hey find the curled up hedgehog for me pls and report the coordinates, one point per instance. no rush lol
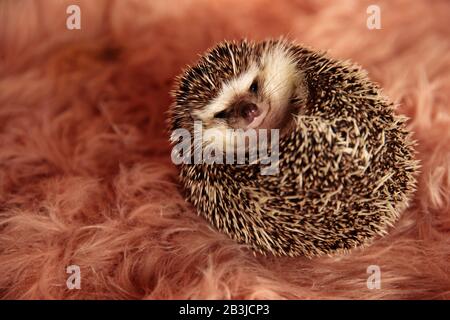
(336, 166)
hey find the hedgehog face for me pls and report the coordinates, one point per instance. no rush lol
(263, 95)
(243, 86)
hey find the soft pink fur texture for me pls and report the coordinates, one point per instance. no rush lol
(85, 170)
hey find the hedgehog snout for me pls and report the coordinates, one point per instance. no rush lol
(247, 110)
(248, 114)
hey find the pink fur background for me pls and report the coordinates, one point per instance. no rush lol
(85, 170)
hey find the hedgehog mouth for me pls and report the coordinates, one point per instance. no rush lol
(255, 116)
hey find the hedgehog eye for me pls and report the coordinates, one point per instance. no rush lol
(221, 115)
(254, 86)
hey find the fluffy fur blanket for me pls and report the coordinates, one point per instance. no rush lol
(85, 171)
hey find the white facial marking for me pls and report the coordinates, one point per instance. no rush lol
(281, 75)
(228, 93)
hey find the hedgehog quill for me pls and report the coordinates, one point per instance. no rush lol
(345, 160)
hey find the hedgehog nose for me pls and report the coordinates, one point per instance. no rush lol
(248, 110)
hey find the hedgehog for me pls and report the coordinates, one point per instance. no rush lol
(346, 165)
